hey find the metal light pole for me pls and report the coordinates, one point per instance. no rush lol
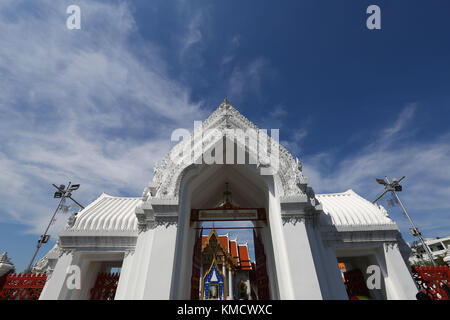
(63, 194)
(393, 187)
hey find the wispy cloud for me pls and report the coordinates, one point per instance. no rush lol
(231, 49)
(291, 139)
(80, 105)
(426, 166)
(403, 119)
(247, 79)
(278, 111)
(194, 33)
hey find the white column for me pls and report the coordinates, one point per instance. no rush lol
(224, 279)
(136, 283)
(160, 266)
(201, 282)
(125, 275)
(55, 287)
(230, 284)
(223, 270)
(152, 267)
(249, 294)
(335, 276)
(280, 280)
(303, 275)
(398, 280)
(329, 275)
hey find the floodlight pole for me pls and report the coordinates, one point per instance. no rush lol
(389, 186)
(65, 194)
(68, 195)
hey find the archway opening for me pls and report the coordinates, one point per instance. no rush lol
(238, 225)
(231, 245)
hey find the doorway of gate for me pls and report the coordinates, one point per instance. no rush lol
(229, 262)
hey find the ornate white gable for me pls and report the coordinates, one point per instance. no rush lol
(168, 174)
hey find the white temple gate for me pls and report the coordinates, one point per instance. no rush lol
(152, 237)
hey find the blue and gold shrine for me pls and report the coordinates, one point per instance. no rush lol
(214, 283)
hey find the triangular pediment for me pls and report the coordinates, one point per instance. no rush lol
(167, 175)
(226, 116)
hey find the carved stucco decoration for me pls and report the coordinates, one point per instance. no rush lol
(168, 174)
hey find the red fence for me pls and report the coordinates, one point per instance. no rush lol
(105, 286)
(23, 286)
(432, 281)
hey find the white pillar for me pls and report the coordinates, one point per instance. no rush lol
(329, 275)
(280, 280)
(335, 276)
(300, 263)
(399, 282)
(230, 284)
(55, 287)
(159, 270)
(135, 284)
(152, 267)
(125, 275)
(201, 282)
(249, 294)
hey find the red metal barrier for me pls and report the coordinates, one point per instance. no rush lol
(431, 280)
(105, 286)
(23, 286)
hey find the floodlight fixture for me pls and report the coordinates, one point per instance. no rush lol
(44, 238)
(394, 187)
(61, 194)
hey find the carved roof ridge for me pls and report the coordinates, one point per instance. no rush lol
(4, 258)
(167, 175)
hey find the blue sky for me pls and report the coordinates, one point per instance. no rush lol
(97, 106)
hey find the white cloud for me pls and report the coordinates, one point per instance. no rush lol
(247, 79)
(426, 166)
(230, 50)
(278, 111)
(80, 105)
(403, 119)
(293, 144)
(194, 34)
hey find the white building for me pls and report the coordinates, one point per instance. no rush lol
(301, 236)
(5, 264)
(438, 247)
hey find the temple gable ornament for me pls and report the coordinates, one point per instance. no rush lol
(168, 174)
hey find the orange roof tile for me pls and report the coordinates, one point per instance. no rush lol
(234, 251)
(244, 258)
(224, 241)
